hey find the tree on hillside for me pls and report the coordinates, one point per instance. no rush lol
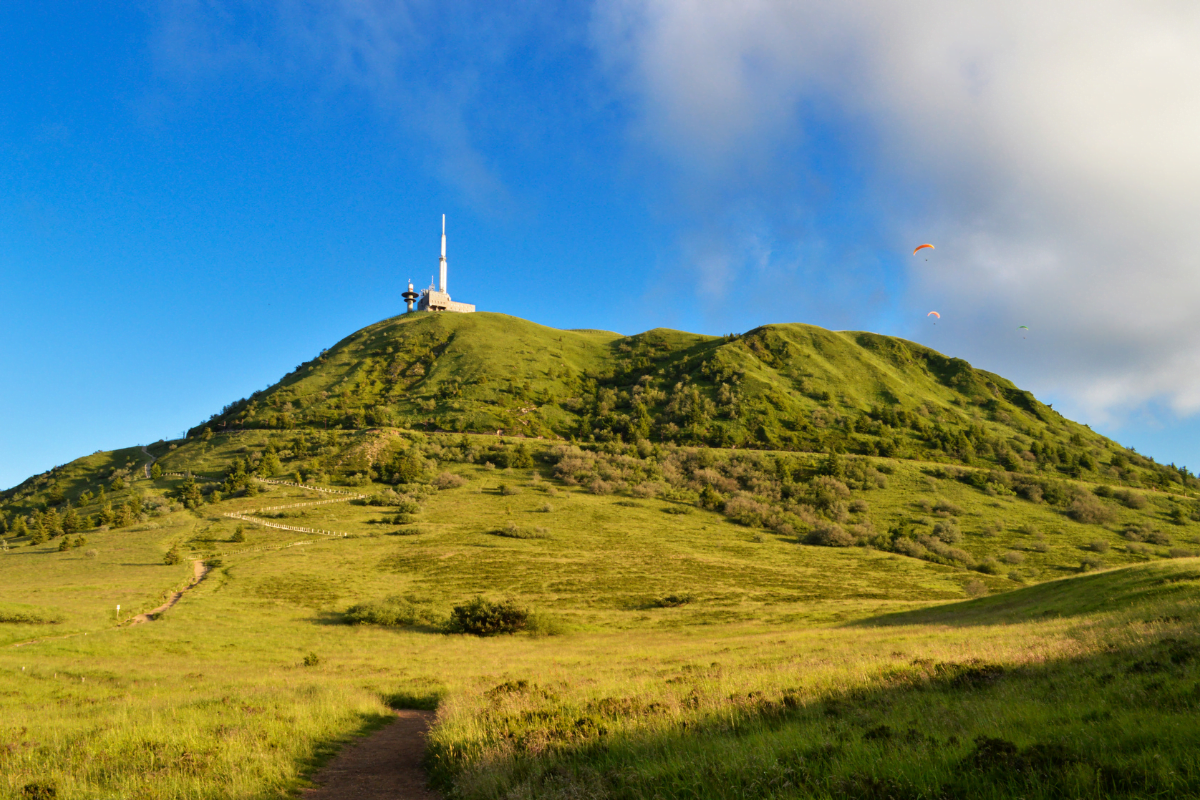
(70, 520)
(269, 465)
(405, 467)
(19, 527)
(156, 471)
(189, 493)
(107, 515)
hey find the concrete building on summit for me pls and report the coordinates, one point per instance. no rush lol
(436, 299)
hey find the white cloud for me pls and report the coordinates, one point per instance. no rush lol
(1048, 148)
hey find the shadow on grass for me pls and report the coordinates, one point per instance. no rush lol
(1112, 724)
(1139, 588)
(338, 618)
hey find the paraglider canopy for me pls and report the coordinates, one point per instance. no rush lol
(934, 314)
(922, 247)
(1023, 327)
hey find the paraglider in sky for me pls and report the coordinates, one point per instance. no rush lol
(933, 314)
(922, 247)
(1022, 328)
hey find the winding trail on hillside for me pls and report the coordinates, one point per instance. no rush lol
(383, 766)
(199, 571)
(149, 463)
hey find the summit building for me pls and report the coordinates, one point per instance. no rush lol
(436, 299)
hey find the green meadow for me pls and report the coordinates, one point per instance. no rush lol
(792, 563)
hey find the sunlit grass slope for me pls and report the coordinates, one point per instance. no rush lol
(673, 654)
(787, 563)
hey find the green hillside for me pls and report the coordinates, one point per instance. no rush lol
(778, 387)
(791, 563)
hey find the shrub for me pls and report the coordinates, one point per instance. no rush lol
(39, 790)
(829, 534)
(1130, 499)
(1040, 547)
(677, 510)
(508, 490)
(512, 531)
(546, 508)
(947, 531)
(672, 601)
(859, 506)
(827, 491)
(1013, 557)
(407, 505)
(28, 617)
(975, 588)
(745, 511)
(1088, 510)
(946, 508)
(91, 553)
(647, 489)
(990, 566)
(1181, 552)
(173, 556)
(448, 480)
(1090, 563)
(908, 547)
(599, 486)
(483, 617)
(393, 612)
(1137, 548)
(993, 528)
(1098, 546)
(239, 535)
(312, 660)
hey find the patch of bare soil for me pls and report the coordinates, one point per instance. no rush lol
(199, 570)
(383, 766)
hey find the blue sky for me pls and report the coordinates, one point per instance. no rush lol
(197, 196)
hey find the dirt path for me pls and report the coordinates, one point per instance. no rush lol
(384, 766)
(199, 570)
(149, 463)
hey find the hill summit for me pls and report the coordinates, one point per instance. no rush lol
(777, 387)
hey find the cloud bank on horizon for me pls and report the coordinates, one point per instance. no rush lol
(1048, 148)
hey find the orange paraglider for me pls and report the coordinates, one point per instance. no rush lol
(922, 247)
(934, 314)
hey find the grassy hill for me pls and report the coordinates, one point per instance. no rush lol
(778, 387)
(792, 563)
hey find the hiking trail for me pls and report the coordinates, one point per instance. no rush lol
(385, 765)
(199, 570)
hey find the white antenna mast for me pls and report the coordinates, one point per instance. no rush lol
(442, 262)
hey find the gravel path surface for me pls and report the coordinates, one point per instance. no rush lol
(384, 766)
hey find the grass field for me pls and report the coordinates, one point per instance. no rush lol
(787, 563)
(672, 655)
